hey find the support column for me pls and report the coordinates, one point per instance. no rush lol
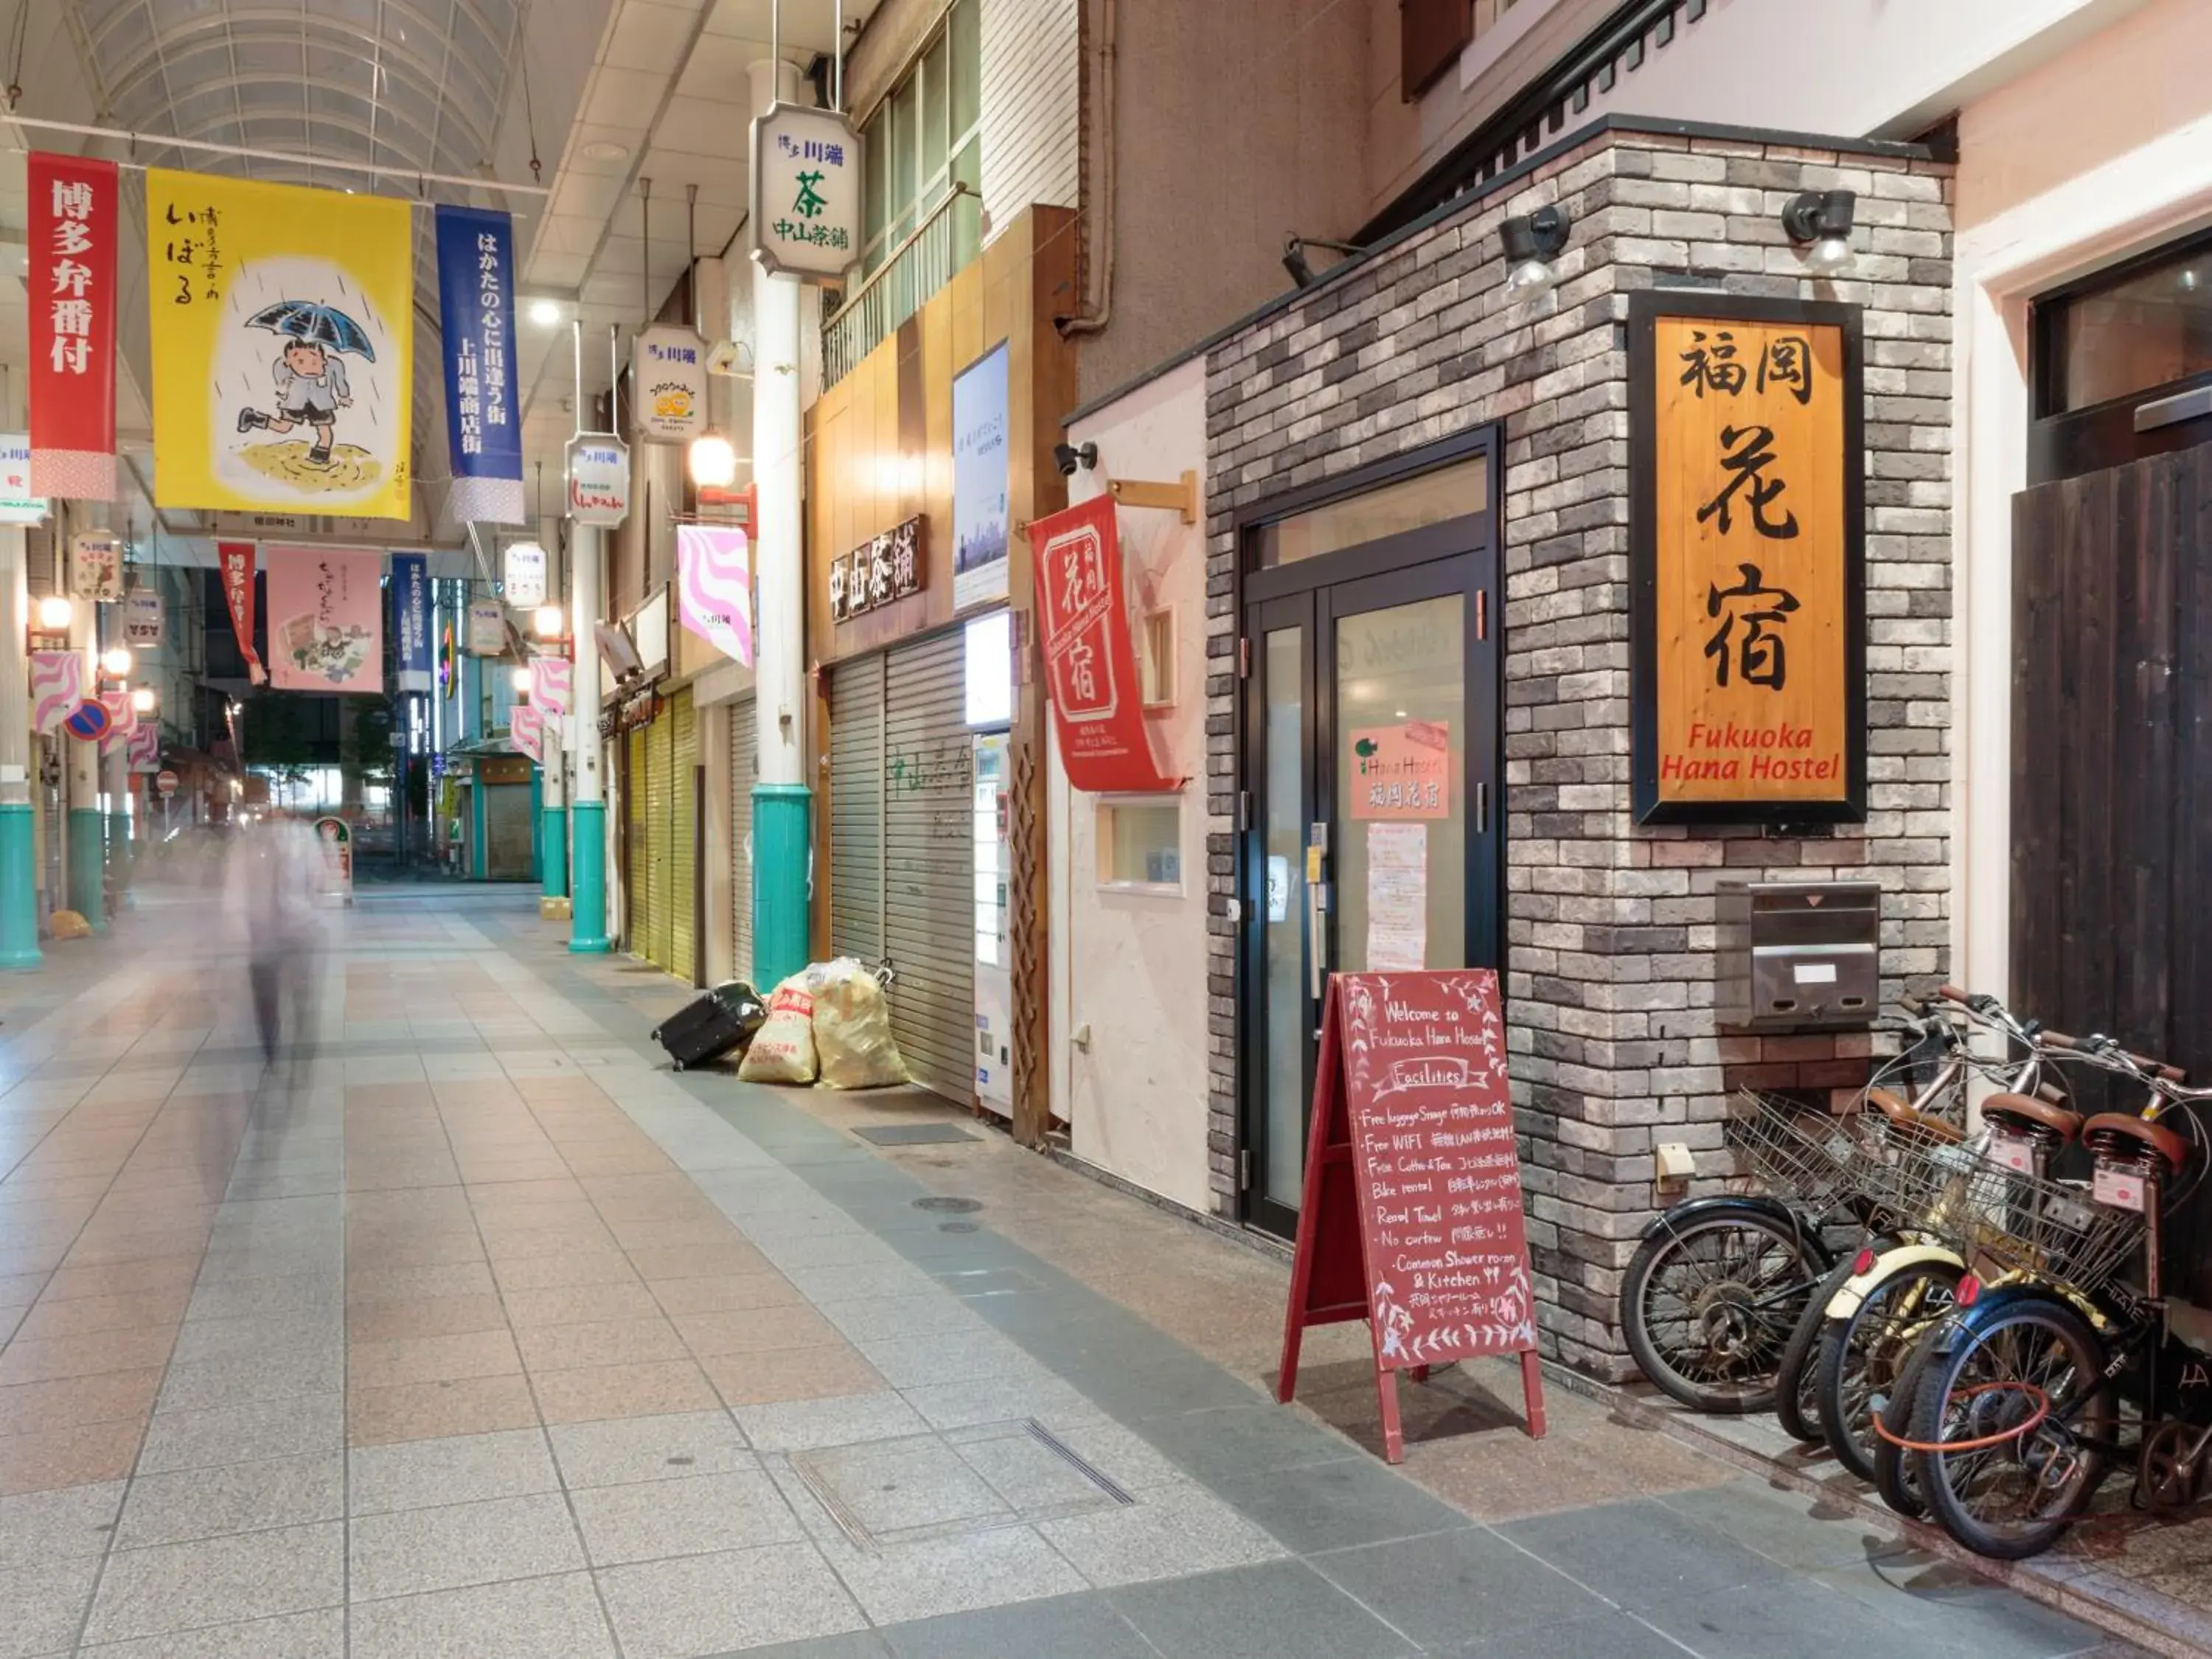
(19, 872)
(115, 788)
(782, 804)
(553, 816)
(88, 852)
(587, 926)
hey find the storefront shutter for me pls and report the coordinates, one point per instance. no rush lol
(683, 839)
(744, 767)
(637, 896)
(659, 796)
(856, 809)
(929, 928)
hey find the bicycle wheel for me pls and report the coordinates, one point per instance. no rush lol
(1797, 1377)
(1896, 1476)
(1708, 1302)
(1862, 1354)
(2017, 1361)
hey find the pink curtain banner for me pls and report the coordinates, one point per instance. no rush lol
(57, 687)
(525, 725)
(122, 717)
(714, 586)
(550, 678)
(146, 748)
(325, 619)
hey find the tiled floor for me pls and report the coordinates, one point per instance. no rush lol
(468, 1329)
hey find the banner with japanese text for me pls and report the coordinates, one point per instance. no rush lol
(235, 560)
(70, 276)
(410, 622)
(1747, 559)
(325, 619)
(57, 687)
(550, 678)
(714, 588)
(483, 416)
(1089, 660)
(283, 327)
(525, 729)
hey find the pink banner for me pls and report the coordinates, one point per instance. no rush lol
(146, 748)
(549, 681)
(122, 720)
(57, 687)
(526, 727)
(714, 588)
(325, 619)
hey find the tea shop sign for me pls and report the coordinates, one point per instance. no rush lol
(1747, 560)
(881, 570)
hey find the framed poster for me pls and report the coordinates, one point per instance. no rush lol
(978, 481)
(1747, 560)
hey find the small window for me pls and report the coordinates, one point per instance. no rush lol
(2143, 327)
(1447, 492)
(1155, 659)
(1140, 843)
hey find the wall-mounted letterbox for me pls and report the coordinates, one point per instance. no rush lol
(1798, 955)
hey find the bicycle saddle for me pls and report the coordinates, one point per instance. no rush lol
(2118, 1134)
(2029, 1114)
(1911, 1120)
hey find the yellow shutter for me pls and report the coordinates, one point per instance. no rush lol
(684, 840)
(637, 901)
(660, 769)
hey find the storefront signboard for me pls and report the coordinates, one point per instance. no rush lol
(522, 575)
(1413, 1217)
(880, 570)
(18, 504)
(668, 367)
(599, 481)
(1089, 660)
(96, 566)
(487, 634)
(978, 481)
(805, 193)
(1747, 559)
(143, 620)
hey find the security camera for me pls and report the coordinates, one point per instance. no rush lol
(1067, 457)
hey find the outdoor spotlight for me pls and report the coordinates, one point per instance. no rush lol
(547, 621)
(1067, 457)
(55, 613)
(520, 675)
(1532, 242)
(115, 662)
(1294, 255)
(714, 460)
(143, 699)
(545, 313)
(1823, 218)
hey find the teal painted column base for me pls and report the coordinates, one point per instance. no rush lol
(783, 817)
(587, 919)
(553, 844)
(121, 858)
(88, 865)
(19, 889)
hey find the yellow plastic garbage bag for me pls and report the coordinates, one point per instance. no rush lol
(853, 1029)
(783, 1048)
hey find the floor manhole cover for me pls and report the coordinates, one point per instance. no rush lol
(913, 1134)
(957, 1206)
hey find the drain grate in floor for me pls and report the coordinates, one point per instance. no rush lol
(913, 1134)
(954, 1205)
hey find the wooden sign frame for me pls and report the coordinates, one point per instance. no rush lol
(1646, 310)
(1331, 1276)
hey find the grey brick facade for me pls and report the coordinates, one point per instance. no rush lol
(1610, 926)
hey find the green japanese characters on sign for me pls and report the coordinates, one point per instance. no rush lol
(806, 178)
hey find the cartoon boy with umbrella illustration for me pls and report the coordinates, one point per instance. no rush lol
(310, 371)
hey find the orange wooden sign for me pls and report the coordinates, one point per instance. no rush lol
(1749, 542)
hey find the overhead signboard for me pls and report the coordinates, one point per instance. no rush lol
(668, 384)
(599, 481)
(142, 620)
(18, 504)
(523, 575)
(805, 193)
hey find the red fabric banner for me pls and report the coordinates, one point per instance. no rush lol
(1089, 661)
(70, 275)
(237, 558)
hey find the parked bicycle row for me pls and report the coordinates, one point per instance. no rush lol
(1956, 1283)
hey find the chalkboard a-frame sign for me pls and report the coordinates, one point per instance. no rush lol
(1747, 560)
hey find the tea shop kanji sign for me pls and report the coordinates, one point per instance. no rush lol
(883, 568)
(1749, 560)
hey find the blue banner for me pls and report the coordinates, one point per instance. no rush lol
(410, 620)
(483, 416)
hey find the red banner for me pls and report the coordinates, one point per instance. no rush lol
(70, 275)
(1089, 662)
(237, 559)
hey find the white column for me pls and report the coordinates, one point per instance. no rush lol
(779, 640)
(585, 785)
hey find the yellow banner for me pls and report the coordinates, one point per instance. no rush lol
(283, 324)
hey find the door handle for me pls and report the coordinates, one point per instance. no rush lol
(1316, 933)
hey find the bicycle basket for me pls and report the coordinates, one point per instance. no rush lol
(1792, 1152)
(2004, 1220)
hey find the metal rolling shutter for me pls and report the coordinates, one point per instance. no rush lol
(684, 838)
(637, 887)
(929, 915)
(856, 810)
(659, 771)
(744, 771)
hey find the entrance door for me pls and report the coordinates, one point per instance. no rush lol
(1372, 752)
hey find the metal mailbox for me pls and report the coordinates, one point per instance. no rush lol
(1798, 955)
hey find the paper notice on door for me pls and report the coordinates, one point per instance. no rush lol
(1397, 896)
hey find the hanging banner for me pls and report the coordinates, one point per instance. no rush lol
(57, 687)
(487, 628)
(411, 621)
(144, 620)
(483, 415)
(282, 326)
(18, 505)
(599, 481)
(526, 727)
(714, 588)
(978, 481)
(69, 279)
(806, 192)
(122, 720)
(1089, 660)
(145, 754)
(325, 620)
(236, 562)
(549, 680)
(95, 566)
(522, 575)
(668, 375)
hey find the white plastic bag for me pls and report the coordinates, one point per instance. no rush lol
(783, 1048)
(853, 1029)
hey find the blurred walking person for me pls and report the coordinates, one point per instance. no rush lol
(271, 895)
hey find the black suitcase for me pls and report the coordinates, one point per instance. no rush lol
(725, 1019)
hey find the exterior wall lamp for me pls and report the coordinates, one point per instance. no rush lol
(115, 663)
(1822, 218)
(1294, 255)
(55, 613)
(546, 622)
(144, 700)
(1532, 242)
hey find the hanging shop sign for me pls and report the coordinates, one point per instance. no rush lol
(649, 633)
(806, 192)
(668, 384)
(599, 481)
(410, 622)
(325, 620)
(144, 620)
(1412, 1215)
(18, 504)
(57, 687)
(483, 415)
(522, 575)
(70, 276)
(978, 481)
(1089, 660)
(95, 566)
(714, 588)
(235, 559)
(1749, 560)
(640, 707)
(88, 721)
(487, 628)
(525, 729)
(550, 678)
(283, 324)
(884, 568)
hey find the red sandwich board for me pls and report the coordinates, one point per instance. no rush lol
(1413, 1217)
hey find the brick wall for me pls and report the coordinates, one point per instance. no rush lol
(1610, 926)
